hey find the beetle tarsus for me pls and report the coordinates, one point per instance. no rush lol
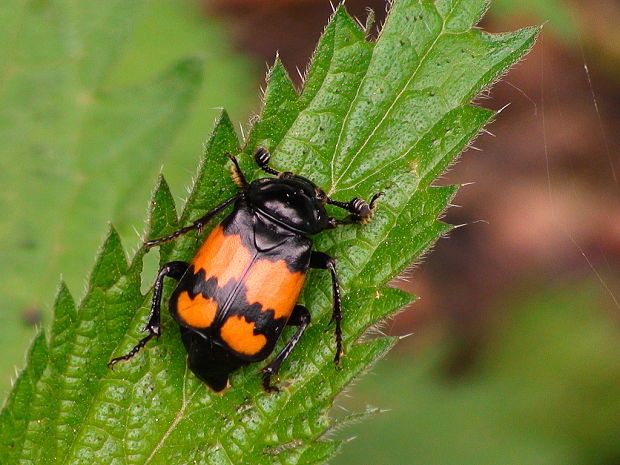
(266, 381)
(132, 352)
(152, 243)
(174, 270)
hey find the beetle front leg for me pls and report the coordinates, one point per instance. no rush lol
(198, 224)
(323, 261)
(300, 317)
(174, 270)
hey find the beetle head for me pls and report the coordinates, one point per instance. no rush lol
(292, 201)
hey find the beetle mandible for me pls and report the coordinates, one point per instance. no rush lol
(241, 288)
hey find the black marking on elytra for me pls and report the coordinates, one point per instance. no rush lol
(231, 300)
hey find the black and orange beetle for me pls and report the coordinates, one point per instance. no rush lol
(240, 290)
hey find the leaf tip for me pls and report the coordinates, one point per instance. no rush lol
(111, 261)
(162, 189)
(64, 303)
(277, 72)
(162, 209)
(222, 119)
(37, 354)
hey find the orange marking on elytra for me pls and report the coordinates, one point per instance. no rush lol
(272, 285)
(197, 312)
(222, 257)
(238, 333)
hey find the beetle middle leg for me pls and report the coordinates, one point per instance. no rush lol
(323, 261)
(300, 317)
(174, 270)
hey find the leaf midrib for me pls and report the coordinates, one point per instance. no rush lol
(334, 186)
(309, 102)
(331, 62)
(177, 418)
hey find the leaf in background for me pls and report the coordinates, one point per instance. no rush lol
(93, 98)
(559, 14)
(390, 116)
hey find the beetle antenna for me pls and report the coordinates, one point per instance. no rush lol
(262, 157)
(359, 209)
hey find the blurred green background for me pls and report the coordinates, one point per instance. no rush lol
(514, 352)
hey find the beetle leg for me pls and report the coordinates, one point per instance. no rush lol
(323, 261)
(300, 317)
(174, 270)
(198, 224)
(360, 211)
(262, 157)
(237, 175)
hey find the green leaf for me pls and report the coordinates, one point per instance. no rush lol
(15, 414)
(391, 116)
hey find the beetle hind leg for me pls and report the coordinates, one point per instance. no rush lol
(174, 270)
(301, 318)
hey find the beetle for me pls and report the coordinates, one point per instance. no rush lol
(234, 299)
